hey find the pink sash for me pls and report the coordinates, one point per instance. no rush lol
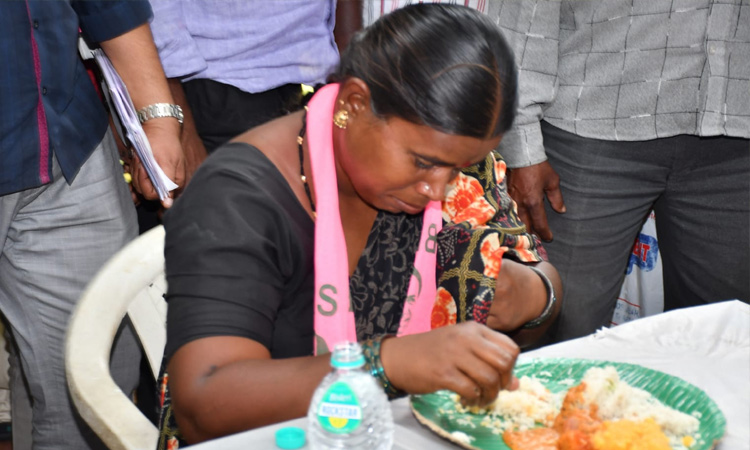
(334, 318)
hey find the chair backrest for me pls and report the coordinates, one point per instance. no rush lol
(131, 282)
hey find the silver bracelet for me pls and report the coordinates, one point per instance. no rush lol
(158, 110)
(551, 300)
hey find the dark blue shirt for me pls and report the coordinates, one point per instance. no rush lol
(48, 104)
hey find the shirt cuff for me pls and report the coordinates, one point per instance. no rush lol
(523, 146)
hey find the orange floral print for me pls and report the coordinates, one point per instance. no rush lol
(476, 237)
(477, 214)
(163, 389)
(500, 169)
(173, 444)
(465, 202)
(492, 255)
(444, 310)
(524, 243)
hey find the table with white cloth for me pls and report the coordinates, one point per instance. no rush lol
(708, 346)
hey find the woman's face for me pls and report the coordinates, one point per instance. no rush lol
(397, 166)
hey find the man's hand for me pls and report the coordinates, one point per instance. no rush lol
(134, 56)
(195, 154)
(192, 145)
(163, 135)
(528, 187)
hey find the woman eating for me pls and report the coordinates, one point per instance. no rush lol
(327, 225)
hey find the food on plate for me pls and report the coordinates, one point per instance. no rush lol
(537, 438)
(576, 422)
(460, 436)
(525, 407)
(628, 435)
(602, 412)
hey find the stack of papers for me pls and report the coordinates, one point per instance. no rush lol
(123, 105)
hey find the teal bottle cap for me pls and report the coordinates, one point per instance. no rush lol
(341, 363)
(347, 355)
(290, 437)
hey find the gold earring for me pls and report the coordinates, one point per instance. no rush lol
(340, 118)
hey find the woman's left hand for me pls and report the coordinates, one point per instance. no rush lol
(521, 296)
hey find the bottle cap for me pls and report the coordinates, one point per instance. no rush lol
(341, 363)
(347, 355)
(290, 437)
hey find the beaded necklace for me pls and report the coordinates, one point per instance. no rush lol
(300, 140)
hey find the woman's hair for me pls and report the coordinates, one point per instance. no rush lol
(444, 66)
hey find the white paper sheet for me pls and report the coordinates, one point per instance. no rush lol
(123, 105)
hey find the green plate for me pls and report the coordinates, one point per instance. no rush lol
(437, 411)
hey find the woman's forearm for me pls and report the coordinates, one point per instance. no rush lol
(521, 296)
(224, 385)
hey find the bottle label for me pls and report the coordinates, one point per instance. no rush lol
(339, 411)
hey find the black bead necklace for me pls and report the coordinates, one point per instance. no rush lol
(300, 140)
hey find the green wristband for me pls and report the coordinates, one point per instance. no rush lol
(371, 352)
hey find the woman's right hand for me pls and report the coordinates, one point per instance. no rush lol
(469, 359)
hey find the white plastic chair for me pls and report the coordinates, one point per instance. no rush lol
(131, 282)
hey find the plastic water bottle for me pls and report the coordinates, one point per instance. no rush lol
(349, 409)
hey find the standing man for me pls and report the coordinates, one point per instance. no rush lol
(64, 207)
(625, 107)
(235, 64)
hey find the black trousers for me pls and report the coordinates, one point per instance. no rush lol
(222, 112)
(699, 189)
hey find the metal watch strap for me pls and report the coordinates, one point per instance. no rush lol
(158, 110)
(551, 300)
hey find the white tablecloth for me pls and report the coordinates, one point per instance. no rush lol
(708, 346)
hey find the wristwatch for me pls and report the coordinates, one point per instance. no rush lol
(551, 300)
(160, 110)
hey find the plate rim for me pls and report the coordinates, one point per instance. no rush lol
(433, 427)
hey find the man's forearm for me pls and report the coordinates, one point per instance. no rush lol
(348, 21)
(134, 56)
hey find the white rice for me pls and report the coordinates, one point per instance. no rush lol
(533, 404)
(616, 399)
(523, 408)
(462, 437)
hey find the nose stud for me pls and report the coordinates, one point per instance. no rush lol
(426, 189)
